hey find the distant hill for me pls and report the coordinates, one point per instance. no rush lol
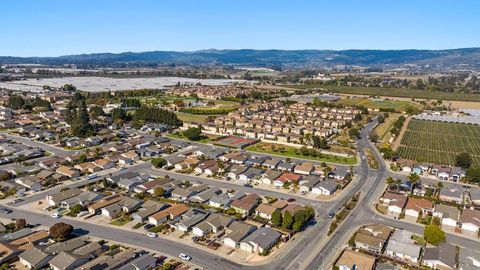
(270, 58)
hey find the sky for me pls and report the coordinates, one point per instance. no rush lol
(64, 27)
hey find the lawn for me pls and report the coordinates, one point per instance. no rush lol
(397, 105)
(439, 143)
(196, 118)
(213, 107)
(288, 151)
(121, 221)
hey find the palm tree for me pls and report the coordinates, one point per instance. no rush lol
(390, 181)
(413, 178)
(398, 181)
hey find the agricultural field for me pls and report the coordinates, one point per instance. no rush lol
(392, 92)
(439, 142)
(397, 105)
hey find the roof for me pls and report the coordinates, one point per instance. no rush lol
(174, 211)
(293, 208)
(469, 258)
(264, 237)
(409, 249)
(369, 240)
(265, 209)
(328, 184)
(18, 234)
(379, 231)
(142, 262)
(361, 261)
(444, 252)
(239, 230)
(272, 174)
(34, 256)
(106, 201)
(68, 245)
(32, 238)
(447, 211)
(395, 199)
(64, 260)
(470, 216)
(418, 204)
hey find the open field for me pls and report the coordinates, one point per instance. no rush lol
(288, 151)
(439, 143)
(383, 129)
(373, 104)
(393, 92)
(213, 107)
(187, 117)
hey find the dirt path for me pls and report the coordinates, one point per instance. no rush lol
(398, 139)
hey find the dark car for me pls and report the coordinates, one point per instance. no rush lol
(148, 226)
(331, 215)
(5, 211)
(291, 200)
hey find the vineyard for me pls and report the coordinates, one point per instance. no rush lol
(439, 142)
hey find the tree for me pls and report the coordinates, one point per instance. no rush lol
(277, 218)
(413, 178)
(96, 111)
(434, 235)
(60, 230)
(473, 175)
(354, 133)
(15, 102)
(159, 162)
(319, 142)
(463, 160)
(158, 191)
(390, 181)
(193, 133)
(373, 137)
(287, 220)
(20, 224)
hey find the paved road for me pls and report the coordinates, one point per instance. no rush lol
(50, 148)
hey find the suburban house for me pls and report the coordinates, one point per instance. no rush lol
(351, 260)
(97, 206)
(269, 176)
(265, 211)
(402, 247)
(470, 220)
(191, 218)
(442, 256)
(213, 224)
(418, 207)
(452, 194)
(325, 187)
(246, 205)
(305, 168)
(68, 171)
(372, 238)
(449, 215)
(34, 258)
(236, 232)
(287, 177)
(172, 213)
(260, 240)
(394, 202)
(57, 198)
(148, 208)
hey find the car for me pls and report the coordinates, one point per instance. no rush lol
(83, 213)
(148, 226)
(291, 200)
(92, 176)
(18, 200)
(5, 211)
(152, 235)
(331, 215)
(247, 185)
(184, 257)
(56, 215)
(195, 238)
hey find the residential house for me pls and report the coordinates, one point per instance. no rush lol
(57, 198)
(34, 258)
(191, 218)
(351, 260)
(68, 171)
(250, 174)
(442, 256)
(395, 203)
(213, 224)
(172, 213)
(449, 215)
(452, 194)
(98, 206)
(269, 176)
(470, 220)
(305, 168)
(418, 207)
(67, 261)
(287, 178)
(236, 232)
(206, 195)
(260, 240)
(148, 208)
(246, 205)
(468, 259)
(325, 187)
(401, 246)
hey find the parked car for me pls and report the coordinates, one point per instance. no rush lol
(56, 215)
(291, 200)
(83, 213)
(148, 226)
(184, 257)
(331, 215)
(152, 235)
(5, 211)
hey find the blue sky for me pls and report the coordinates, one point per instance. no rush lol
(61, 27)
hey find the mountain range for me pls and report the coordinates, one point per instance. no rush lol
(269, 58)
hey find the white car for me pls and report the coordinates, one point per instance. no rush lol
(152, 235)
(56, 215)
(184, 257)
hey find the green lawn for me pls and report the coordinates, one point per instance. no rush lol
(187, 117)
(121, 221)
(289, 151)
